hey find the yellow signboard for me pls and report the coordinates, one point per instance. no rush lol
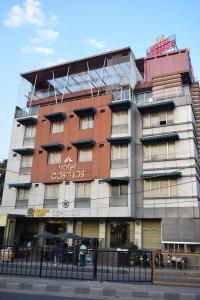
(3, 220)
(37, 212)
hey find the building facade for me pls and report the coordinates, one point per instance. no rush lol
(107, 148)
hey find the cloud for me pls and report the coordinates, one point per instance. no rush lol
(39, 49)
(95, 43)
(29, 12)
(47, 35)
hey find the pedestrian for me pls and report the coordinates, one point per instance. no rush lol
(57, 253)
(76, 253)
(28, 250)
(83, 252)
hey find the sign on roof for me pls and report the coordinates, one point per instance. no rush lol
(162, 45)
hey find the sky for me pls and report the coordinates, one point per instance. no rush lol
(39, 33)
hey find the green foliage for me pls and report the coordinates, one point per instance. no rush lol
(130, 246)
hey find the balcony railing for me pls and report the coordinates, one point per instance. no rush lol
(165, 94)
(25, 112)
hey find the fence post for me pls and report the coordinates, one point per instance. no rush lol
(41, 261)
(152, 267)
(95, 265)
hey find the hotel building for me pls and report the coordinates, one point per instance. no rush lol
(107, 147)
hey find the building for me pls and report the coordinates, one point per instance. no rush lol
(108, 147)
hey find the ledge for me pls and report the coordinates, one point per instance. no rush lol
(27, 121)
(56, 116)
(174, 174)
(120, 140)
(25, 186)
(24, 151)
(52, 147)
(83, 143)
(156, 106)
(84, 111)
(119, 105)
(159, 138)
(115, 180)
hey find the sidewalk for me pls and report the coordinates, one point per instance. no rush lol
(96, 288)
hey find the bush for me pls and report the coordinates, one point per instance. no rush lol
(130, 246)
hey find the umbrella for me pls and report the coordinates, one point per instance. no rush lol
(44, 234)
(69, 235)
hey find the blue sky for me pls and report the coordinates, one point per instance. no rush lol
(37, 33)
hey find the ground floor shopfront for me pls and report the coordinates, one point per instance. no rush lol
(110, 233)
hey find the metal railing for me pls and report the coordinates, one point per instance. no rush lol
(97, 264)
(164, 94)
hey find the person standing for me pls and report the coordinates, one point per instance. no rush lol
(28, 250)
(83, 252)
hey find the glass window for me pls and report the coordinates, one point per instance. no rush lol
(26, 161)
(57, 127)
(154, 188)
(54, 157)
(171, 150)
(119, 152)
(146, 152)
(163, 118)
(22, 194)
(120, 117)
(86, 122)
(83, 189)
(85, 154)
(154, 152)
(119, 190)
(147, 188)
(160, 188)
(170, 117)
(146, 120)
(29, 131)
(164, 192)
(51, 191)
(173, 187)
(162, 151)
(154, 119)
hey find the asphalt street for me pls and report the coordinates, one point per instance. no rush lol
(25, 296)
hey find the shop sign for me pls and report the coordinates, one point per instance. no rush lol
(162, 45)
(67, 171)
(46, 212)
(37, 212)
(3, 220)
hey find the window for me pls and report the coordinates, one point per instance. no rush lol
(160, 188)
(119, 190)
(86, 122)
(30, 131)
(85, 154)
(120, 117)
(57, 127)
(158, 119)
(51, 191)
(159, 151)
(83, 189)
(22, 194)
(119, 152)
(54, 157)
(26, 161)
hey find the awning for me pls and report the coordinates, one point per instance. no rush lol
(25, 186)
(120, 140)
(83, 143)
(24, 151)
(85, 111)
(156, 106)
(56, 116)
(52, 147)
(159, 138)
(119, 105)
(115, 180)
(174, 174)
(27, 121)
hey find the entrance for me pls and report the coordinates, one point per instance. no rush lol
(118, 234)
(1, 235)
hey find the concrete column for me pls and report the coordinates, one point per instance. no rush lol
(107, 244)
(41, 228)
(9, 232)
(70, 228)
(102, 233)
(132, 232)
(138, 234)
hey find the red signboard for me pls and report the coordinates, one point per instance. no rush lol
(162, 45)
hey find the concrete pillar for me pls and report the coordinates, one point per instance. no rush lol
(138, 234)
(9, 232)
(132, 232)
(41, 228)
(70, 228)
(102, 234)
(107, 244)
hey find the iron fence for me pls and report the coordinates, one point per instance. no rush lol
(102, 265)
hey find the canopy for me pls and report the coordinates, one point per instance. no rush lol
(69, 235)
(45, 234)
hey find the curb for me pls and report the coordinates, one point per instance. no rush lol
(97, 291)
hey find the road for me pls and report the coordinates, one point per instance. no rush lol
(25, 296)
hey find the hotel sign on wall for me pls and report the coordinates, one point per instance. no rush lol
(67, 171)
(161, 46)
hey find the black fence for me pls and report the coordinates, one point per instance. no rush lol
(71, 263)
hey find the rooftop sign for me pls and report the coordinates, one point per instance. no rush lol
(162, 45)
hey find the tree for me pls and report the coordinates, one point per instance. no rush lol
(3, 166)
